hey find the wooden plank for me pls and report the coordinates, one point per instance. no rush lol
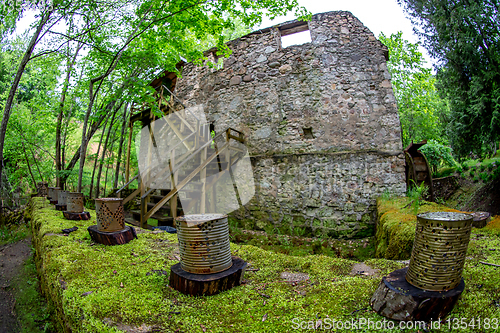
(183, 183)
(131, 196)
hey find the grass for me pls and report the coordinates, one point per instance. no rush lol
(32, 311)
(95, 288)
(13, 233)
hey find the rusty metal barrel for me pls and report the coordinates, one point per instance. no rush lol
(439, 249)
(52, 195)
(74, 202)
(55, 194)
(62, 197)
(204, 243)
(109, 214)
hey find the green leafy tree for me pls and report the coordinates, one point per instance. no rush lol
(463, 35)
(421, 111)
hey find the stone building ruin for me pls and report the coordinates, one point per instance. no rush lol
(320, 120)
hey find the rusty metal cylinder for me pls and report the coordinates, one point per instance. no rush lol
(109, 214)
(439, 249)
(74, 202)
(42, 189)
(52, 193)
(204, 243)
(62, 197)
(55, 194)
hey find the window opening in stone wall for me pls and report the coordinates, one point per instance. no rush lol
(308, 133)
(295, 36)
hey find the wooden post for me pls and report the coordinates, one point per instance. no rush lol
(129, 144)
(203, 180)
(174, 178)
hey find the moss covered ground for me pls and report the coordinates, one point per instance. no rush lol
(396, 221)
(124, 288)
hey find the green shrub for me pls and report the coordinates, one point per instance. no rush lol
(484, 176)
(465, 166)
(471, 173)
(438, 155)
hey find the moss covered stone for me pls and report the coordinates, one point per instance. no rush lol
(95, 288)
(396, 225)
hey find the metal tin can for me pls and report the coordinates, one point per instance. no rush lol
(204, 243)
(109, 214)
(55, 194)
(52, 193)
(42, 189)
(439, 249)
(74, 202)
(62, 197)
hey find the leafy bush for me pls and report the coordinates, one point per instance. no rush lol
(484, 176)
(438, 155)
(465, 166)
(417, 194)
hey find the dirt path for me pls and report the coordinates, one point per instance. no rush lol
(12, 257)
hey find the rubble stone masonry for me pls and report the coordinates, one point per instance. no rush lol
(320, 119)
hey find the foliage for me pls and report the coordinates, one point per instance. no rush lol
(438, 155)
(423, 114)
(463, 35)
(124, 45)
(417, 194)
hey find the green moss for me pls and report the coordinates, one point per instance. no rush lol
(92, 286)
(396, 225)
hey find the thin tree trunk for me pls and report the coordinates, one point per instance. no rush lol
(15, 84)
(69, 68)
(97, 156)
(120, 148)
(110, 157)
(36, 164)
(92, 95)
(28, 164)
(76, 155)
(97, 188)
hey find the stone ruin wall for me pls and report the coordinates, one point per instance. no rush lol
(321, 122)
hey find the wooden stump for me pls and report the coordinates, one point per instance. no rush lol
(207, 284)
(481, 219)
(61, 207)
(396, 299)
(112, 238)
(76, 216)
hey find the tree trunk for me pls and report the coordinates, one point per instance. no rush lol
(97, 189)
(111, 158)
(120, 148)
(97, 156)
(76, 155)
(92, 95)
(59, 163)
(15, 84)
(28, 164)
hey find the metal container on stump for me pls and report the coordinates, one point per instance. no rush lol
(110, 228)
(206, 266)
(74, 202)
(61, 200)
(42, 189)
(439, 249)
(54, 197)
(109, 214)
(204, 243)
